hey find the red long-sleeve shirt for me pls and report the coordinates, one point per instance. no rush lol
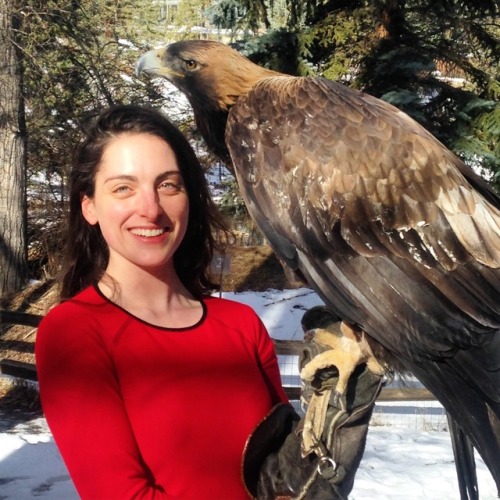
(139, 411)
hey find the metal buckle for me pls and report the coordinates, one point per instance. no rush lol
(325, 463)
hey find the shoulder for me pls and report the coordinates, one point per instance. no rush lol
(85, 312)
(75, 308)
(85, 323)
(217, 305)
(236, 320)
(231, 311)
(283, 91)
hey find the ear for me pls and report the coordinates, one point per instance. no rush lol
(88, 210)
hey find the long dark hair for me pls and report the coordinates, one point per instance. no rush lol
(86, 252)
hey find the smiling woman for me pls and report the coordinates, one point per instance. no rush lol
(131, 361)
(141, 205)
(87, 253)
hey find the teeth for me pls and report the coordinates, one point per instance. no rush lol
(147, 232)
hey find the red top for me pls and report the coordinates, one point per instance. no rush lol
(140, 411)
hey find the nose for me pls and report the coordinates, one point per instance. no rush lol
(150, 205)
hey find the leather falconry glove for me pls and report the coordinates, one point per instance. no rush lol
(317, 457)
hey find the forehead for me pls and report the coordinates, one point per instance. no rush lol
(138, 151)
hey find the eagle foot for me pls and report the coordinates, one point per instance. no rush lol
(335, 358)
(338, 400)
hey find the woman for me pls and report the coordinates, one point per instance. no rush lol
(150, 386)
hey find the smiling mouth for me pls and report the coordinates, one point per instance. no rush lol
(148, 233)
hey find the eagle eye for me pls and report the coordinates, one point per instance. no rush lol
(190, 64)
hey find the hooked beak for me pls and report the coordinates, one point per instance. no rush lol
(152, 62)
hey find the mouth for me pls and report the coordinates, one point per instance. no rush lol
(148, 233)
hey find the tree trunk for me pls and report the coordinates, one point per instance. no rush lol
(13, 260)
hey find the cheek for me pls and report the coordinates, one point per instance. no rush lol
(111, 217)
(184, 216)
(181, 213)
(177, 208)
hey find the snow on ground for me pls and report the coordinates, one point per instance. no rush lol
(408, 455)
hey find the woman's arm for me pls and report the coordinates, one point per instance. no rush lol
(269, 364)
(81, 400)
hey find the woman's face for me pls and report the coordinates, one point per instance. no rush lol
(139, 202)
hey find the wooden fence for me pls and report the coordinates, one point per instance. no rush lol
(27, 371)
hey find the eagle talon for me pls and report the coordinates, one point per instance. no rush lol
(339, 400)
(307, 374)
(346, 348)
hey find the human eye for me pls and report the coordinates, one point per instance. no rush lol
(120, 185)
(121, 189)
(171, 185)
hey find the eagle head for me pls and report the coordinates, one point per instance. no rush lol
(212, 76)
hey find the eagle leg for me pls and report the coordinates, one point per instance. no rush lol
(341, 360)
(347, 348)
(329, 371)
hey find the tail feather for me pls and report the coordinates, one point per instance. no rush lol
(474, 421)
(465, 464)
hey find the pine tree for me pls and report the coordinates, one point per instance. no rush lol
(79, 57)
(437, 60)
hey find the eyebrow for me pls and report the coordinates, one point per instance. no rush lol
(133, 178)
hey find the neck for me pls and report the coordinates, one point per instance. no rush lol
(242, 79)
(153, 299)
(211, 116)
(212, 127)
(138, 285)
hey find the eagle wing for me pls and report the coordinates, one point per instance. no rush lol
(374, 211)
(359, 161)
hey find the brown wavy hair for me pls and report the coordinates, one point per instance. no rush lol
(86, 252)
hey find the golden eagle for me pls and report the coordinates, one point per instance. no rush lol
(395, 233)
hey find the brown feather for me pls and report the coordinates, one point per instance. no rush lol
(406, 171)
